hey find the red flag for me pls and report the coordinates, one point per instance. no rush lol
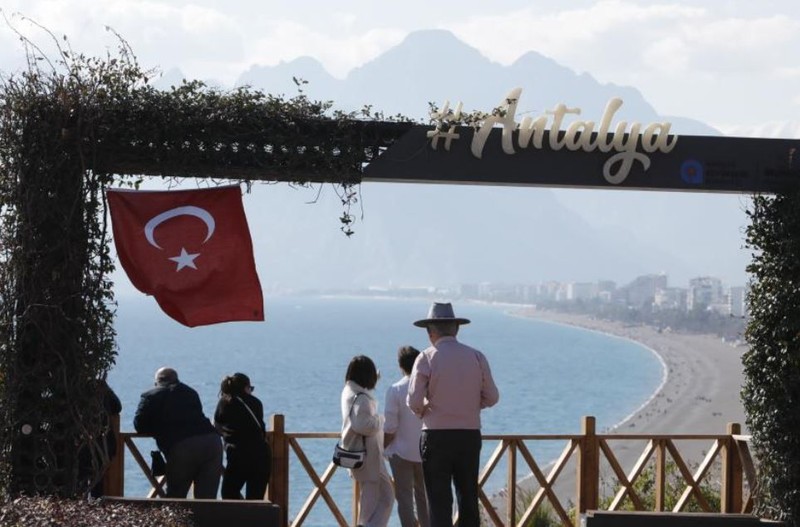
(191, 250)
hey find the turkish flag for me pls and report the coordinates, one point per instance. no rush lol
(191, 250)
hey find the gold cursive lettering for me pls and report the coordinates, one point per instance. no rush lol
(579, 135)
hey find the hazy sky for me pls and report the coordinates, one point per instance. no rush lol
(728, 63)
(724, 62)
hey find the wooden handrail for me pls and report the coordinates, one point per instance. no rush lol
(587, 452)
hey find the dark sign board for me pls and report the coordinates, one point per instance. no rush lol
(693, 163)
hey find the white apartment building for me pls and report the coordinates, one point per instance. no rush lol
(581, 291)
(670, 298)
(705, 291)
(737, 298)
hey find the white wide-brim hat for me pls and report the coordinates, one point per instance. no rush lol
(440, 312)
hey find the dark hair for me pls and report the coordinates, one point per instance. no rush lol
(362, 371)
(234, 385)
(406, 356)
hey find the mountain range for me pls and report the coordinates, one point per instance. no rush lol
(417, 235)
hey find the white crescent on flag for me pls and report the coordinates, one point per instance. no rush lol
(188, 210)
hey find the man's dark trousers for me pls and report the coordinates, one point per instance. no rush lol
(451, 456)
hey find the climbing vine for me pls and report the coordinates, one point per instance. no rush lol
(70, 127)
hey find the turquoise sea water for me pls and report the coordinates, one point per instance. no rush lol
(549, 375)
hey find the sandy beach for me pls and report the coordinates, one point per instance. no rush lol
(699, 393)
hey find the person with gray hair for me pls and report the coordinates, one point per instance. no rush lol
(449, 385)
(173, 414)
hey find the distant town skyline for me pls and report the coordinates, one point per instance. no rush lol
(651, 293)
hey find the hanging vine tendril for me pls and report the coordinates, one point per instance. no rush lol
(70, 126)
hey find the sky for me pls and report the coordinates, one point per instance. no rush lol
(728, 63)
(732, 64)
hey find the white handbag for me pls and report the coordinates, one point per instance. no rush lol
(345, 458)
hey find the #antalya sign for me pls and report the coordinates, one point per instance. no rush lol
(559, 149)
(579, 135)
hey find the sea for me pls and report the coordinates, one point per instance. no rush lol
(549, 375)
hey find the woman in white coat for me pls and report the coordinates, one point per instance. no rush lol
(361, 421)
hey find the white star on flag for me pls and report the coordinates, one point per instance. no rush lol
(185, 260)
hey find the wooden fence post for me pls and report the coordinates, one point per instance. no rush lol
(114, 478)
(660, 474)
(588, 484)
(278, 491)
(511, 483)
(732, 492)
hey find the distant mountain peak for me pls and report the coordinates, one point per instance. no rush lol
(309, 65)
(304, 62)
(435, 66)
(534, 59)
(430, 43)
(279, 78)
(772, 129)
(427, 37)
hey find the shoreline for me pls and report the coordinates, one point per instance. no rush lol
(696, 367)
(527, 312)
(698, 393)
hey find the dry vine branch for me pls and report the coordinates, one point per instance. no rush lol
(69, 128)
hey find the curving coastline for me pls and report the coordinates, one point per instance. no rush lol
(698, 394)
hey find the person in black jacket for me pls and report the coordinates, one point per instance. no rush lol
(108, 441)
(173, 414)
(240, 419)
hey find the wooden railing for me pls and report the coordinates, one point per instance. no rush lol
(592, 464)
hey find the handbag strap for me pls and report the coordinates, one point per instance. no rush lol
(363, 443)
(258, 424)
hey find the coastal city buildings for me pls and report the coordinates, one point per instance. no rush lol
(705, 305)
(650, 293)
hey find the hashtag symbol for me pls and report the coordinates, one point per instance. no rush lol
(450, 135)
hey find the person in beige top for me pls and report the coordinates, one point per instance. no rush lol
(362, 424)
(450, 384)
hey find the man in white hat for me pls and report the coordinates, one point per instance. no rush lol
(450, 384)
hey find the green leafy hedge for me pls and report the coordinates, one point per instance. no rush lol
(771, 392)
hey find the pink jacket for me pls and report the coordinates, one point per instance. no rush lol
(450, 384)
